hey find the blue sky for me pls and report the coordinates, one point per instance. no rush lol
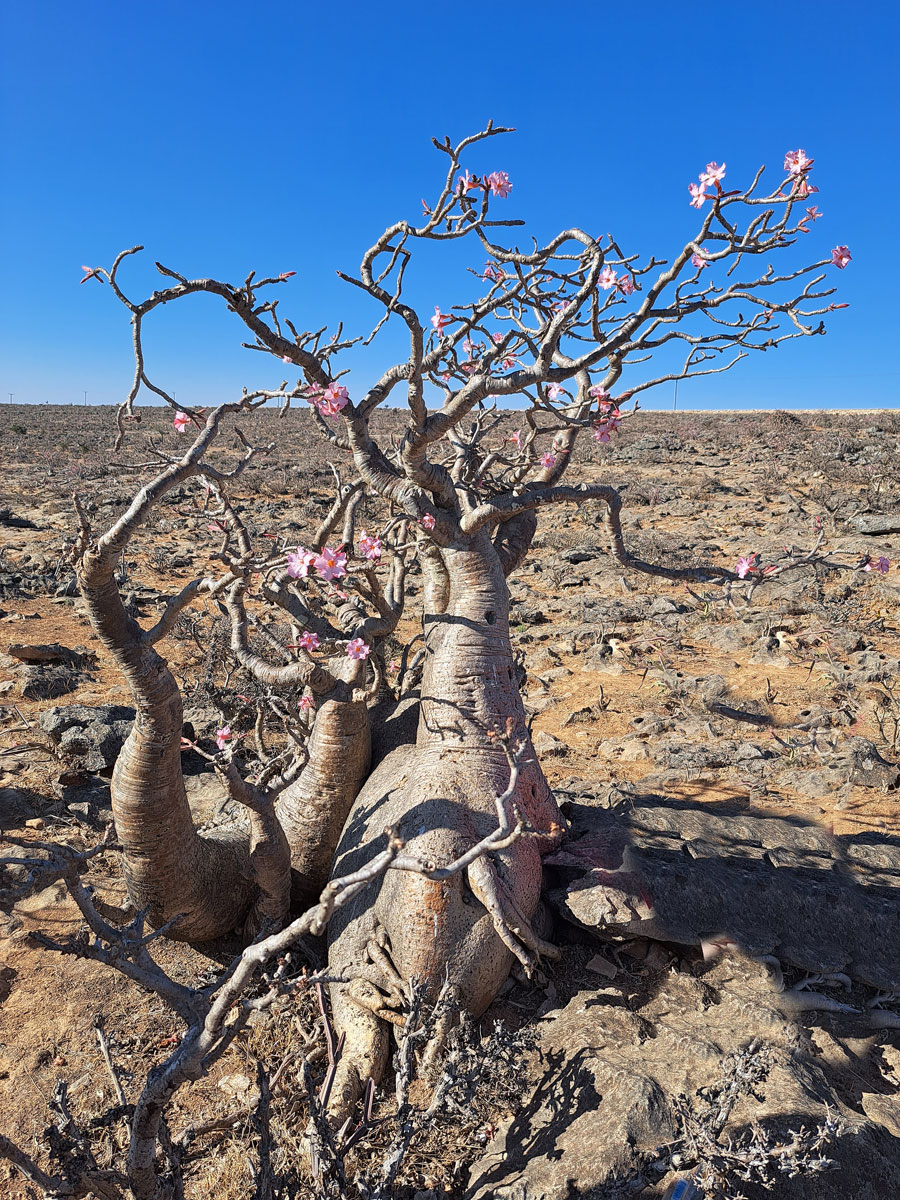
(228, 137)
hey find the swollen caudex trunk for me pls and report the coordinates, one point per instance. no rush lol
(313, 809)
(171, 871)
(440, 794)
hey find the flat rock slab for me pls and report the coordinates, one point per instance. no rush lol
(877, 523)
(687, 874)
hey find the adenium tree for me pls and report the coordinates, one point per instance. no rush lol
(565, 329)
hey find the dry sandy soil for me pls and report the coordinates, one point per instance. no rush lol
(638, 688)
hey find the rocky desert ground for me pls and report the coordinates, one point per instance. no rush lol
(727, 1004)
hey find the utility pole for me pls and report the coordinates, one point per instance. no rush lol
(11, 394)
(675, 400)
(85, 399)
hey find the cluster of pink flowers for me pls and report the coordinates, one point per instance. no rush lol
(604, 429)
(882, 565)
(306, 703)
(330, 564)
(710, 178)
(427, 522)
(497, 182)
(329, 402)
(609, 279)
(491, 271)
(699, 261)
(181, 422)
(370, 546)
(797, 163)
(604, 401)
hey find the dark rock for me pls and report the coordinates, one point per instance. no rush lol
(49, 682)
(581, 554)
(87, 738)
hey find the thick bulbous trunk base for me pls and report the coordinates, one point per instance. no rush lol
(469, 929)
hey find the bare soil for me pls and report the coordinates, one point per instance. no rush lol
(630, 680)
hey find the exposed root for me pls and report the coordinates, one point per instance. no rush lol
(512, 928)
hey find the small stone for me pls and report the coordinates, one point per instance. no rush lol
(34, 823)
(602, 966)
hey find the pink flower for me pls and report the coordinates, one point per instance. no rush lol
(90, 273)
(465, 182)
(813, 213)
(306, 703)
(561, 305)
(427, 522)
(313, 393)
(357, 649)
(882, 565)
(439, 320)
(699, 261)
(308, 641)
(498, 182)
(607, 278)
(745, 565)
(334, 398)
(286, 358)
(300, 561)
(491, 271)
(554, 391)
(626, 285)
(223, 735)
(516, 438)
(598, 392)
(714, 174)
(286, 275)
(331, 564)
(604, 429)
(698, 194)
(796, 162)
(548, 461)
(394, 666)
(840, 256)
(370, 546)
(181, 422)
(509, 362)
